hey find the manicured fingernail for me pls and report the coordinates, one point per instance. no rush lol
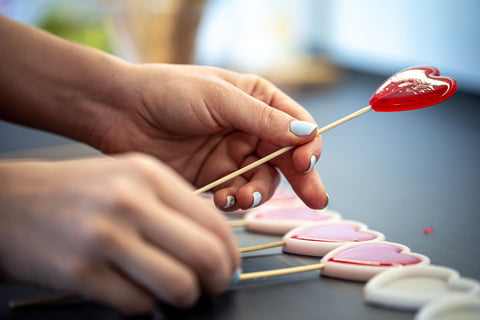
(326, 202)
(302, 128)
(313, 162)
(230, 202)
(236, 276)
(257, 197)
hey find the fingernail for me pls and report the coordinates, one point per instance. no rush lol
(257, 197)
(302, 128)
(313, 162)
(230, 202)
(236, 276)
(326, 203)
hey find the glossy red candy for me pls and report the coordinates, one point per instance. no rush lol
(413, 88)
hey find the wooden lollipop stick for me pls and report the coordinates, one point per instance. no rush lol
(20, 304)
(262, 246)
(280, 272)
(237, 223)
(279, 152)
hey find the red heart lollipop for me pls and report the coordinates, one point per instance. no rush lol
(413, 88)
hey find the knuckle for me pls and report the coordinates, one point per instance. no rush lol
(258, 86)
(118, 189)
(141, 161)
(268, 117)
(99, 235)
(123, 201)
(106, 238)
(122, 197)
(254, 78)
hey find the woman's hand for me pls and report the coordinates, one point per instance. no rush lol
(123, 231)
(207, 122)
(203, 122)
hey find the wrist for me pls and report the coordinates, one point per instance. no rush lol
(52, 84)
(94, 99)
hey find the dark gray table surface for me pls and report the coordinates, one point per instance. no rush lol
(397, 172)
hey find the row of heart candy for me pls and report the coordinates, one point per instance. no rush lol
(401, 288)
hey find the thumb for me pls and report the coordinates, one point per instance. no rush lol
(266, 122)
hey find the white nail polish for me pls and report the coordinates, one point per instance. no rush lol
(230, 202)
(313, 162)
(257, 197)
(302, 128)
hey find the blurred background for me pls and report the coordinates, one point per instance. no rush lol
(294, 43)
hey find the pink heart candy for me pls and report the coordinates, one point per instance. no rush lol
(280, 220)
(318, 239)
(361, 261)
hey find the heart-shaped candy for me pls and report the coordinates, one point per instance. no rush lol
(411, 288)
(280, 220)
(413, 88)
(361, 261)
(317, 239)
(465, 307)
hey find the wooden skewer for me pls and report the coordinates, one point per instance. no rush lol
(280, 272)
(262, 246)
(237, 223)
(20, 304)
(279, 152)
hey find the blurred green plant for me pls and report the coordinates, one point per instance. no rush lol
(84, 25)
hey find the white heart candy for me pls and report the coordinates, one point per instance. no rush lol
(410, 288)
(451, 308)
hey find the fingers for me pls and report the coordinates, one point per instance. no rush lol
(186, 211)
(193, 246)
(298, 167)
(161, 236)
(174, 194)
(165, 254)
(250, 190)
(267, 92)
(261, 120)
(105, 284)
(278, 120)
(155, 271)
(225, 196)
